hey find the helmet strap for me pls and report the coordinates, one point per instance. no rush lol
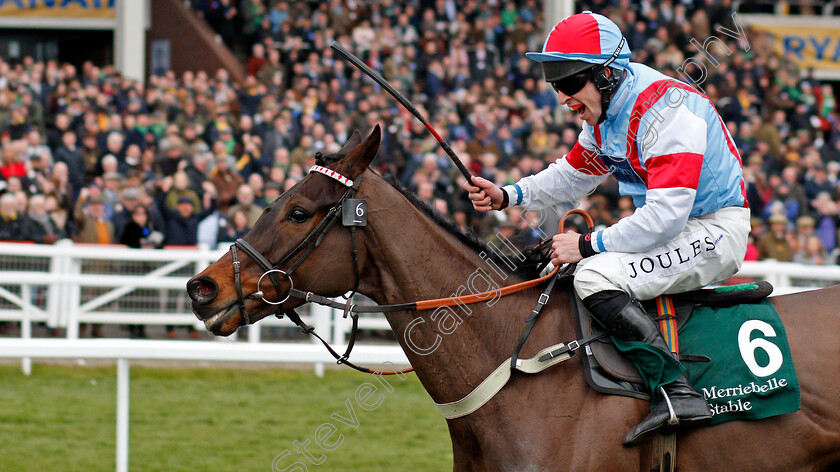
(607, 85)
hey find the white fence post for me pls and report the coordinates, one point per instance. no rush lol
(74, 297)
(773, 276)
(122, 414)
(339, 327)
(254, 335)
(782, 277)
(321, 318)
(26, 324)
(56, 298)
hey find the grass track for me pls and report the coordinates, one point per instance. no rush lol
(212, 419)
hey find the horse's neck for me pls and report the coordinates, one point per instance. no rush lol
(412, 259)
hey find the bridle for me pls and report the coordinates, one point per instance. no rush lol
(305, 247)
(314, 239)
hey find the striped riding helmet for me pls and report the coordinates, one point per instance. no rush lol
(579, 42)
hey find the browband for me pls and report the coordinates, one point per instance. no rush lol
(333, 174)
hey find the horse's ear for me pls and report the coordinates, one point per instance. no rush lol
(360, 157)
(355, 140)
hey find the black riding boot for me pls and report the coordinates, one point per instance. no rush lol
(627, 321)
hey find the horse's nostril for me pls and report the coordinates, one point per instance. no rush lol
(202, 290)
(205, 290)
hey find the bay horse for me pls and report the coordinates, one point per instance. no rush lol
(548, 421)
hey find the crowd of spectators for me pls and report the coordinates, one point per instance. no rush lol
(188, 159)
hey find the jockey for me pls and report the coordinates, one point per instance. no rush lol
(669, 149)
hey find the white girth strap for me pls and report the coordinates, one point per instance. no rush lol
(495, 381)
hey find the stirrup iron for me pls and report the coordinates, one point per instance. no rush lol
(673, 420)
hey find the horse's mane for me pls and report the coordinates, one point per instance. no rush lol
(536, 258)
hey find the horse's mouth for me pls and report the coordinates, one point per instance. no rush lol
(225, 322)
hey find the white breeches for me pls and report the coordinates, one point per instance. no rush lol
(709, 249)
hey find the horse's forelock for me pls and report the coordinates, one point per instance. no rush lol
(327, 159)
(332, 158)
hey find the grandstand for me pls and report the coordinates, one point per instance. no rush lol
(254, 85)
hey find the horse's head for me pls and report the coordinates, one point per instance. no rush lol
(298, 237)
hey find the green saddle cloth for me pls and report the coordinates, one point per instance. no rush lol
(751, 374)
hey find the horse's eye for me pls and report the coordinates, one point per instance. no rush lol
(297, 215)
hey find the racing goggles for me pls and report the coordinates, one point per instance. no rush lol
(572, 84)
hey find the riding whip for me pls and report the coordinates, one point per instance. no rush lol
(404, 101)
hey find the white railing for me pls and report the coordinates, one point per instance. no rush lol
(64, 270)
(65, 285)
(789, 277)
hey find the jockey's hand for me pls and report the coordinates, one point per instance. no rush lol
(485, 195)
(565, 248)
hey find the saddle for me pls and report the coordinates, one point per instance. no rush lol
(609, 372)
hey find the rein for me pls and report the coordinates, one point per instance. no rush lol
(313, 240)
